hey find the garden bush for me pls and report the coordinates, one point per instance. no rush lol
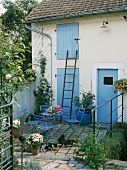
(96, 153)
(93, 152)
(117, 145)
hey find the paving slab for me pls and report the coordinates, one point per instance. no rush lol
(50, 165)
(66, 167)
(118, 163)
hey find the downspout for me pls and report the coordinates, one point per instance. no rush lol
(46, 35)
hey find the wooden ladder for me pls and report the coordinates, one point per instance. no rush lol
(68, 85)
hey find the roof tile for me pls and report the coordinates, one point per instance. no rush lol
(59, 8)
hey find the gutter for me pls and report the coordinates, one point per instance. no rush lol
(78, 15)
(46, 35)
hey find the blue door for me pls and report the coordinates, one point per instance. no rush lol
(60, 81)
(106, 77)
(67, 39)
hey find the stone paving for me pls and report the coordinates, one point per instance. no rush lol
(52, 161)
(62, 160)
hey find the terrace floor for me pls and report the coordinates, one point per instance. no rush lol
(64, 157)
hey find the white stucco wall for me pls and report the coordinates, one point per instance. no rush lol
(96, 45)
(24, 100)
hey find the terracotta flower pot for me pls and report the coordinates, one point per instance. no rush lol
(35, 151)
(28, 149)
(17, 132)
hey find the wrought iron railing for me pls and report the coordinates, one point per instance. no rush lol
(119, 106)
(6, 137)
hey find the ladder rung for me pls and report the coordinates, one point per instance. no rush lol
(67, 98)
(68, 82)
(67, 90)
(70, 66)
(70, 74)
(71, 58)
(67, 106)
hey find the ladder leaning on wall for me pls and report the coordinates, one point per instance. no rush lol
(68, 84)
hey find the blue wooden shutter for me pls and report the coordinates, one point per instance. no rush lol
(66, 34)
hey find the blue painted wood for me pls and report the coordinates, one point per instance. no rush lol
(60, 80)
(105, 93)
(66, 34)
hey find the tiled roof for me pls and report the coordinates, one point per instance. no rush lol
(54, 9)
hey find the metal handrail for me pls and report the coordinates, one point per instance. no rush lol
(111, 111)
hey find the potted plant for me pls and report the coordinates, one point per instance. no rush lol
(16, 131)
(121, 84)
(34, 142)
(86, 103)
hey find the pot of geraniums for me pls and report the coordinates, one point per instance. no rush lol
(34, 142)
(85, 104)
(16, 131)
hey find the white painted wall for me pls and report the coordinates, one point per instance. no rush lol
(25, 100)
(96, 45)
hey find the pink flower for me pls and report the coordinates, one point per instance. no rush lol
(59, 108)
(8, 76)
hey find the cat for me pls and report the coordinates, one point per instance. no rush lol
(62, 140)
(49, 146)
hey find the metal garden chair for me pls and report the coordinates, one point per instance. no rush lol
(75, 123)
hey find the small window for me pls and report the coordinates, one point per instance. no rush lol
(108, 80)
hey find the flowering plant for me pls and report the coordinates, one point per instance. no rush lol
(16, 123)
(34, 140)
(8, 76)
(121, 84)
(57, 109)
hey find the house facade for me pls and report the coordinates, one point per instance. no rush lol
(98, 30)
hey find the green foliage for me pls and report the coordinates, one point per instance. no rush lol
(13, 19)
(30, 74)
(93, 151)
(87, 101)
(96, 153)
(117, 144)
(44, 93)
(15, 14)
(11, 62)
(32, 165)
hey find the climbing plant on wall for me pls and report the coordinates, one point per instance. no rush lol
(44, 93)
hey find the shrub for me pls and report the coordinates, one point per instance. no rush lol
(117, 144)
(32, 165)
(96, 153)
(93, 151)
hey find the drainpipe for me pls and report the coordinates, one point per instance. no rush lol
(46, 35)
